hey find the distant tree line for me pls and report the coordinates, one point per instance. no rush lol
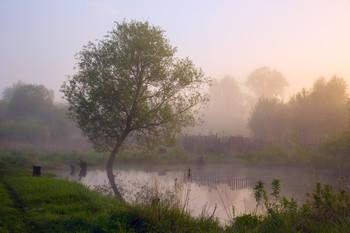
(229, 106)
(28, 115)
(310, 116)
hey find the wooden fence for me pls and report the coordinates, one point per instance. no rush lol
(222, 145)
(239, 144)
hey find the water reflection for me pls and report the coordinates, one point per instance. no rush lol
(214, 187)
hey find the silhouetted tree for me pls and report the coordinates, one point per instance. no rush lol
(28, 114)
(266, 82)
(269, 118)
(227, 108)
(314, 114)
(29, 99)
(321, 111)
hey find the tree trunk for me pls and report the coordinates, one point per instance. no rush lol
(110, 174)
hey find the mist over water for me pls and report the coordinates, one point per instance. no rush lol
(222, 186)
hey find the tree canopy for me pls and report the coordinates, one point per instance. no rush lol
(130, 86)
(266, 82)
(28, 99)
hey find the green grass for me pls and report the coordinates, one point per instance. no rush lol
(55, 205)
(11, 217)
(47, 204)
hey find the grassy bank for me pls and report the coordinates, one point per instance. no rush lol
(48, 204)
(26, 158)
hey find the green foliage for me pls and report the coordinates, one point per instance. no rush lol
(276, 188)
(246, 223)
(260, 194)
(324, 211)
(327, 205)
(165, 218)
(131, 86)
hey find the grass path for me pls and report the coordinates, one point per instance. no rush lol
(13, 218)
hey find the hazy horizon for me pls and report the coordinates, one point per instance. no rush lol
(303, 40)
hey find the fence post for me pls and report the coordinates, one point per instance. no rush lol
(36, 170)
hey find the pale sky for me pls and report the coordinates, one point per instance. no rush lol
(303, 39)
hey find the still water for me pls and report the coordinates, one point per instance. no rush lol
(212, 187)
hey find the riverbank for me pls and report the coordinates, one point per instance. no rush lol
(48, 204)
(275, 155)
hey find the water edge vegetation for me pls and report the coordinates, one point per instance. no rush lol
(48, 204)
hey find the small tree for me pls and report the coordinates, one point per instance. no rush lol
(131, 87)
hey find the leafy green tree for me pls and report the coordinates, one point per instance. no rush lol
(266, 82)
(131, 87)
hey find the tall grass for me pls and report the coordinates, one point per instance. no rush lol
(324, 211)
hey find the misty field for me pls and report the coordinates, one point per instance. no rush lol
(226, 145)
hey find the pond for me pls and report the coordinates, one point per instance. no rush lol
(210, 188)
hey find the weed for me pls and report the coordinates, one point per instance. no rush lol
(260, 194)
